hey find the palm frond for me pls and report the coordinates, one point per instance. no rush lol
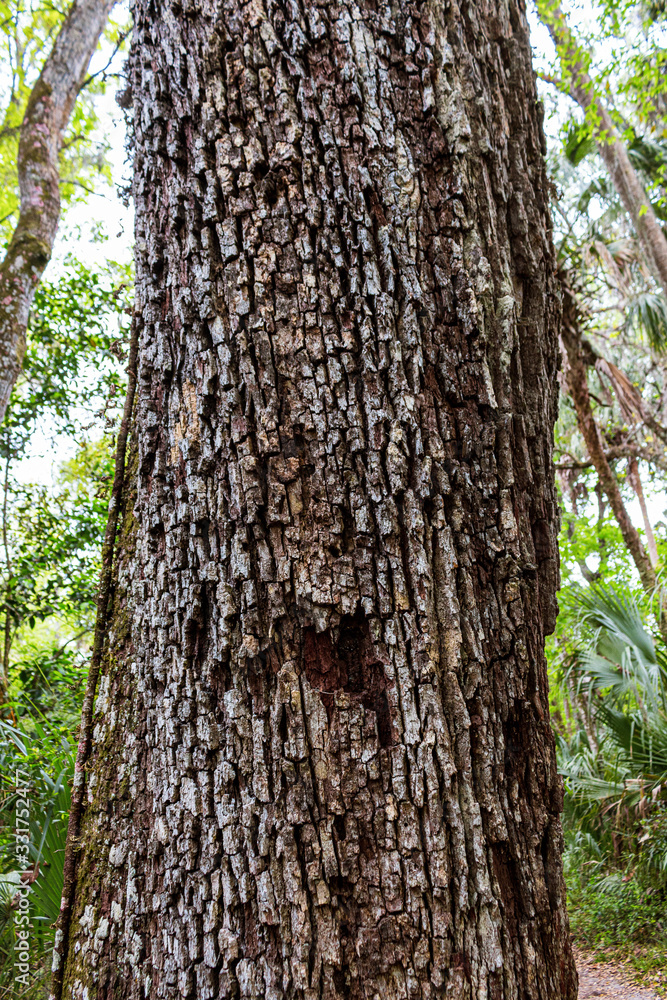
(47, 849)
(649, 156)
(620, 624)
(645, 746)
(629, 398)
(623, 669)
(646, 314)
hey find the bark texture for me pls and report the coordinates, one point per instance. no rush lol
(624, 177)
(45, 120)
(322, 762)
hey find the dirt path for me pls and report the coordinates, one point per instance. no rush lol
(603, 980)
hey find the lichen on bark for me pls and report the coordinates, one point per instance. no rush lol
(333, 773)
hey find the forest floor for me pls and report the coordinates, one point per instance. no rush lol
(604, 978)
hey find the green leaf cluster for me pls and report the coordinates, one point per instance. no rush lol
(71, 391)
(27, 32)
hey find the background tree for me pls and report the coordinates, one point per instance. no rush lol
(575, 62)
(51, 534)
(323, 765)
(606, 656)
(47, 113)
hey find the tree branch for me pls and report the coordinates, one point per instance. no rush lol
(635, 481)
(102, 72)
(576, 375)
(554, 81)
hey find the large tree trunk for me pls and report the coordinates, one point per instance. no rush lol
(323, 765)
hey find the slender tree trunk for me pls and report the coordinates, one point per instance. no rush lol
(636, 482)
(322, 760)
(4, 681)
(574, 62)
(576, 374)
(581, 709)
(7, 648)
(44, 123)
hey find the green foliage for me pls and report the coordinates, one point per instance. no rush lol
(578, 143)
(624, 659)
(50, 532)
(649, 156)
(614, 760)
(610, 907)
(72, 364)
(51, 537)
(45, 756)
(27, 31)
(621, 667)
(647, 316)
(49, 669)
(72, 373)
(54, 552)
(595, 545)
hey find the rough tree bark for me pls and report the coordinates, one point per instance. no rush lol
(322, 761)
(574, 61)
(47, 114)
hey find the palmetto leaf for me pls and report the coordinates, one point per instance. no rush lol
(48, 850)
(591, 779)
(645, 746)
(624, 656)
(624, 671)
(588, 788)
(49, 810)
(649, 156)
(646, 313)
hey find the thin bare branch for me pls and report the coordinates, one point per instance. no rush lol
(103, 72)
